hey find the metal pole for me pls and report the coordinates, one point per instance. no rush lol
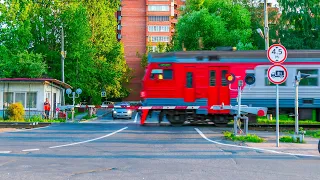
(73, 102)
(266, 27)
(62, 63)
(277, 114)
(239, 110)
(296, 108)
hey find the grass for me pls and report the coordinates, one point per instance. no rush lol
(284, 119)
(310, 133)
(289, 139)
(313, 133)
(87, 116)
(248, 138)
(305, 122)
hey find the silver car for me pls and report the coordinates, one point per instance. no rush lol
(119, 111)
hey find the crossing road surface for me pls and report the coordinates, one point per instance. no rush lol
(127, 150)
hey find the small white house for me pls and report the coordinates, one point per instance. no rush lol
(32, 93)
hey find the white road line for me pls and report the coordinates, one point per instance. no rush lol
(5, 152)
(30, 129)
(81, 142)
(28, 150)
(136, 118)
(259, 149)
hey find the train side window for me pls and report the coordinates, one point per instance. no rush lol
(312, 80)
(155, 72)
(189, 80)
(167, 74)
(212, 78)
(223, 78)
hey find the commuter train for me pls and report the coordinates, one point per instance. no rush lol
(198, 79)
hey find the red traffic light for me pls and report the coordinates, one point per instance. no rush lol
(230, 78)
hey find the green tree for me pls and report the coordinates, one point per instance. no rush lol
(300, 24)
(212, 23)
(16, 57)
(31, 32)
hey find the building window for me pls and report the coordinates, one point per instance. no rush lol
(268, 83)
(21, 97)
(311, 80)
(31, 100)
(189, 79)
(7, 99)
(158, 28)
(159, 39)
(167, 74)
(158, 18)
(158, 8)
(212, 78)
(153, 49)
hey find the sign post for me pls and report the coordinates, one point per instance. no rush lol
(277, 74)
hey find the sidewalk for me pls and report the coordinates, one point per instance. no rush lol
(308, 148)
(100, 113)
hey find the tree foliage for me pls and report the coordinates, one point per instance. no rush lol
(30, 42)
(300, 24)
(212, 23)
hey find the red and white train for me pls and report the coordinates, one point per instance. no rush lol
(184, 86)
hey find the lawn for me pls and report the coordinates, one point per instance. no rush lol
(247, 138)
(284, 119)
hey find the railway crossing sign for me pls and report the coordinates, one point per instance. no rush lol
(277, 74)
(277, 53)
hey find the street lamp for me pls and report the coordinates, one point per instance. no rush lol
(78, 92)
(298, 78)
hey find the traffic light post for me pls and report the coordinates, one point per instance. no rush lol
(298, 78)
(240, 110)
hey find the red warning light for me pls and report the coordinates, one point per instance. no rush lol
(261, 112)
(230, 78)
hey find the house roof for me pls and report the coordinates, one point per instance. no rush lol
(54, 81)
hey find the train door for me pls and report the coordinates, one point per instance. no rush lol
(218, 90)
(189, 84)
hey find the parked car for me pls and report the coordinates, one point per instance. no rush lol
(107, 103)
(119, 111)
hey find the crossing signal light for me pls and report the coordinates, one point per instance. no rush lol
(250, 79)
(230, 78)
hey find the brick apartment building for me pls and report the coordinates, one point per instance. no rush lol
(142, 24)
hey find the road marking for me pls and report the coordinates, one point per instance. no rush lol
(259, 149)
(5, 152)
(28, 150)
(90, 140)
(30, 129)
(136, 118)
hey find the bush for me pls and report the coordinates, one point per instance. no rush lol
(289, 139)
(16, 112)
(247, 138)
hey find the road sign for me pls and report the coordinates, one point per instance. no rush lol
(277, 74)
(103, 94)
(277, 53)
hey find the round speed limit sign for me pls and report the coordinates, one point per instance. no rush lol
(277, 53)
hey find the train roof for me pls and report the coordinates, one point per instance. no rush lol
(232, 56)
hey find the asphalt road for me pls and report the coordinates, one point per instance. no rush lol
(122, 149)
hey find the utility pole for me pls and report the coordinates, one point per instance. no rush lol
(266, 27)
(62, 62)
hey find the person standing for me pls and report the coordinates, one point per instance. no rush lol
(47, 108)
